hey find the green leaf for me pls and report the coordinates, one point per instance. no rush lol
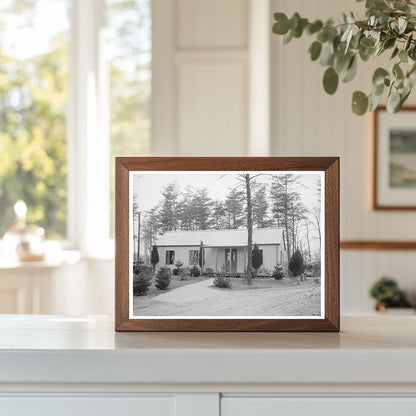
(374, 102)
(359, 103)
(408, 42)
(403, 56)
(288, 37)
(315, 50)
(281, 27)
(330, 80)
(376, 4)
(397, 71)
(314, 27)
(351, 71)
(395, 52)
(379, 75)
(393, 101)
(327, 53)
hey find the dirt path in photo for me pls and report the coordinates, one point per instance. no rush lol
(203, 298)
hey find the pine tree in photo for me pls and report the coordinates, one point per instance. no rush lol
(296, 266)
(154, 257)
(260, 208)
(256, 258)
(234, 206)
(168, 214)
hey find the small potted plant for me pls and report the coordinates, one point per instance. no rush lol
(387, 294)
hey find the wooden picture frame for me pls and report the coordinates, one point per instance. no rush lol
(390, 191)
(326, 167)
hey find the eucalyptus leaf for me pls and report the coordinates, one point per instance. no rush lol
(374, 101)
(281, 27)
(397, 71)
(359, 103)
(350, 73)
(393, 101)
(314, 27)
(403, 56)
(330, 80)
(379, 75)
(315, 50)
(288, 37)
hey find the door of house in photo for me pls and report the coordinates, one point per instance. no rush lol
(231, 260)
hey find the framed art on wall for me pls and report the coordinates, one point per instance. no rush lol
(394, 177)
(227, 244)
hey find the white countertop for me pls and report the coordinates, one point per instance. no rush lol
(53, 349)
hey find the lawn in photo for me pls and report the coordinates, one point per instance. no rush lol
(226, 244)
(402, 158)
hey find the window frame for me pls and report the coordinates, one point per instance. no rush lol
(197, 257)
(170, 254)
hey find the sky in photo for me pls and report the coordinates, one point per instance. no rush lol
(147, 187)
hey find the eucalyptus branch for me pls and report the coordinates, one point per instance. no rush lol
(388, 26)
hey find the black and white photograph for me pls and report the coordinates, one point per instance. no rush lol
(226, 244)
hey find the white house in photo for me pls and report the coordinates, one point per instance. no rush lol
(221, 248)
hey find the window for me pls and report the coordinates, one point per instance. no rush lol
(129, 45)
(59, 134)
(33, 112)
(193, 257)
(170, 256)
(261, 257)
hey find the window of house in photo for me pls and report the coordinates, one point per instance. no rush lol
(193, 257)
(170, 256)
(261, 257)
(34, 69)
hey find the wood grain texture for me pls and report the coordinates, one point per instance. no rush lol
(376, 204)
(378, 245)
(330, 165)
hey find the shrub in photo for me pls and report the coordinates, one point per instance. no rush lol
(142, 282)
(264, 272)
(208, 272)
(278, 273)
(222, 282)
(178, 268)
(195, 271)
(163, 278)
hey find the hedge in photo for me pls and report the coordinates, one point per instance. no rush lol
(163, 278)
(142, 282)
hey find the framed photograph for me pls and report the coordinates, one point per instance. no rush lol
(227, 244)
(394, 179)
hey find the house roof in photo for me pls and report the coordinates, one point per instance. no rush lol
(220, 238)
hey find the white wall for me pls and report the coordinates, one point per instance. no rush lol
(213, 77)
(308, 122)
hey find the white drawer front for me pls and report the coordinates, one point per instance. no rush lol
(87, 406)
(272, 406)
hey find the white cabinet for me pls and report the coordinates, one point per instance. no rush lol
(88, 406)
(271, 406)
(51, 365)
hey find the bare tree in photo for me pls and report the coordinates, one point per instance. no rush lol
(316, 214)
(283, 195)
